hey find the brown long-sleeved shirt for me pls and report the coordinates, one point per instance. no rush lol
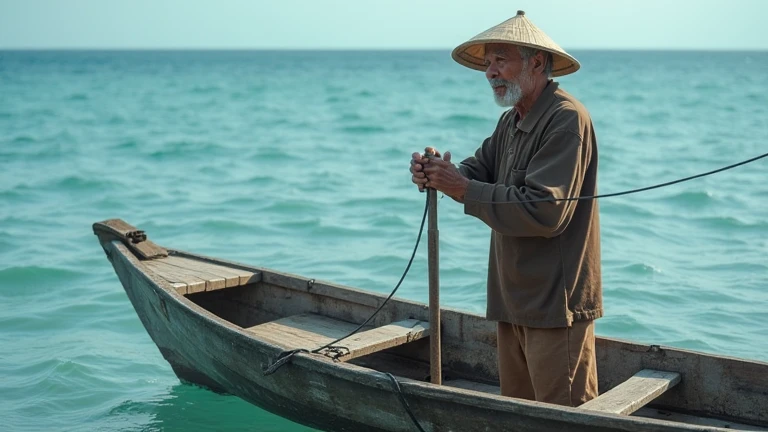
(544, 266)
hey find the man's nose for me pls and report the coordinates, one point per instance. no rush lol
(491, 72)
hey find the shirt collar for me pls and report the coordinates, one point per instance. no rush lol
(539, 108)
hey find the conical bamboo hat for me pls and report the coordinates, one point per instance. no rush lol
(518, 30)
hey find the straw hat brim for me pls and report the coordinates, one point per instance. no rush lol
(520, 31)
(472, 55)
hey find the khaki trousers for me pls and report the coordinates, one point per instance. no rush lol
(555, 365)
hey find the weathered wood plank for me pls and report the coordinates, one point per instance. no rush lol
(632, 394)
(257, 271)
(322, 288)
(232, 276)
(307, 331)
(230, 280)
(212, 281)
(174, 275)
(312, 331)
(180, 287)
(381, 338)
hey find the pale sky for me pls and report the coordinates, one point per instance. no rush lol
(377, 24)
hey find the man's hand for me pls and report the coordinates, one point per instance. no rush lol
(442, 175)
(417, 170)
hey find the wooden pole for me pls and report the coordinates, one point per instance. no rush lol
(435, 366)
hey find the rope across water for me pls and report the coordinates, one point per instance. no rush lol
(632, 191)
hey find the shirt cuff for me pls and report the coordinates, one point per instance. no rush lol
(462, 170)
(472, 197)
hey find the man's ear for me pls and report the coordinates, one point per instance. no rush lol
(540, 62)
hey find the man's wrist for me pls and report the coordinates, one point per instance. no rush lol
(462, 190)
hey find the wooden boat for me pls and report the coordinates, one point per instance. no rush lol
(220, 324)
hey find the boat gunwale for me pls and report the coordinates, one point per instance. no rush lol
(379, 380)
(334, 289)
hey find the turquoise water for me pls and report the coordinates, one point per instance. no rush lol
(298, 161)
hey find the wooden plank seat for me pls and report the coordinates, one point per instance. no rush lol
(311, 331)
(642, 412)
(634, 393)
(189, 275)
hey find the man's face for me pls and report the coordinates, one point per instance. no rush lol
(507, 73)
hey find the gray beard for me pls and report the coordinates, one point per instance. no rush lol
(513, 94)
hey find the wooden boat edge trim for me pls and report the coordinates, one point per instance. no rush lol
(331, 289)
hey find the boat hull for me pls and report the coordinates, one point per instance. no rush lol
(206, 350)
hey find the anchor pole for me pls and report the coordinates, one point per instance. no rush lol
(435, 365)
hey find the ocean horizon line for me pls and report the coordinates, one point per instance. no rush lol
(355, 50)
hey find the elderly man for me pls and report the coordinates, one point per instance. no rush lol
(544, 278)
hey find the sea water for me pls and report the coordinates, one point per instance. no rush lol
(298, 161)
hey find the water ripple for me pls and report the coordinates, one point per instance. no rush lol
(34, 279)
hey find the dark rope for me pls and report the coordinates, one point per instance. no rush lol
(285, 356)
(403, 401)
(643, 189)
(282, 358)
(407, 268)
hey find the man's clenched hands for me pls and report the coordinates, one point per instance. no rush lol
(440, 174)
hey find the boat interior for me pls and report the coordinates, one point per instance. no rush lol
(296, 312)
